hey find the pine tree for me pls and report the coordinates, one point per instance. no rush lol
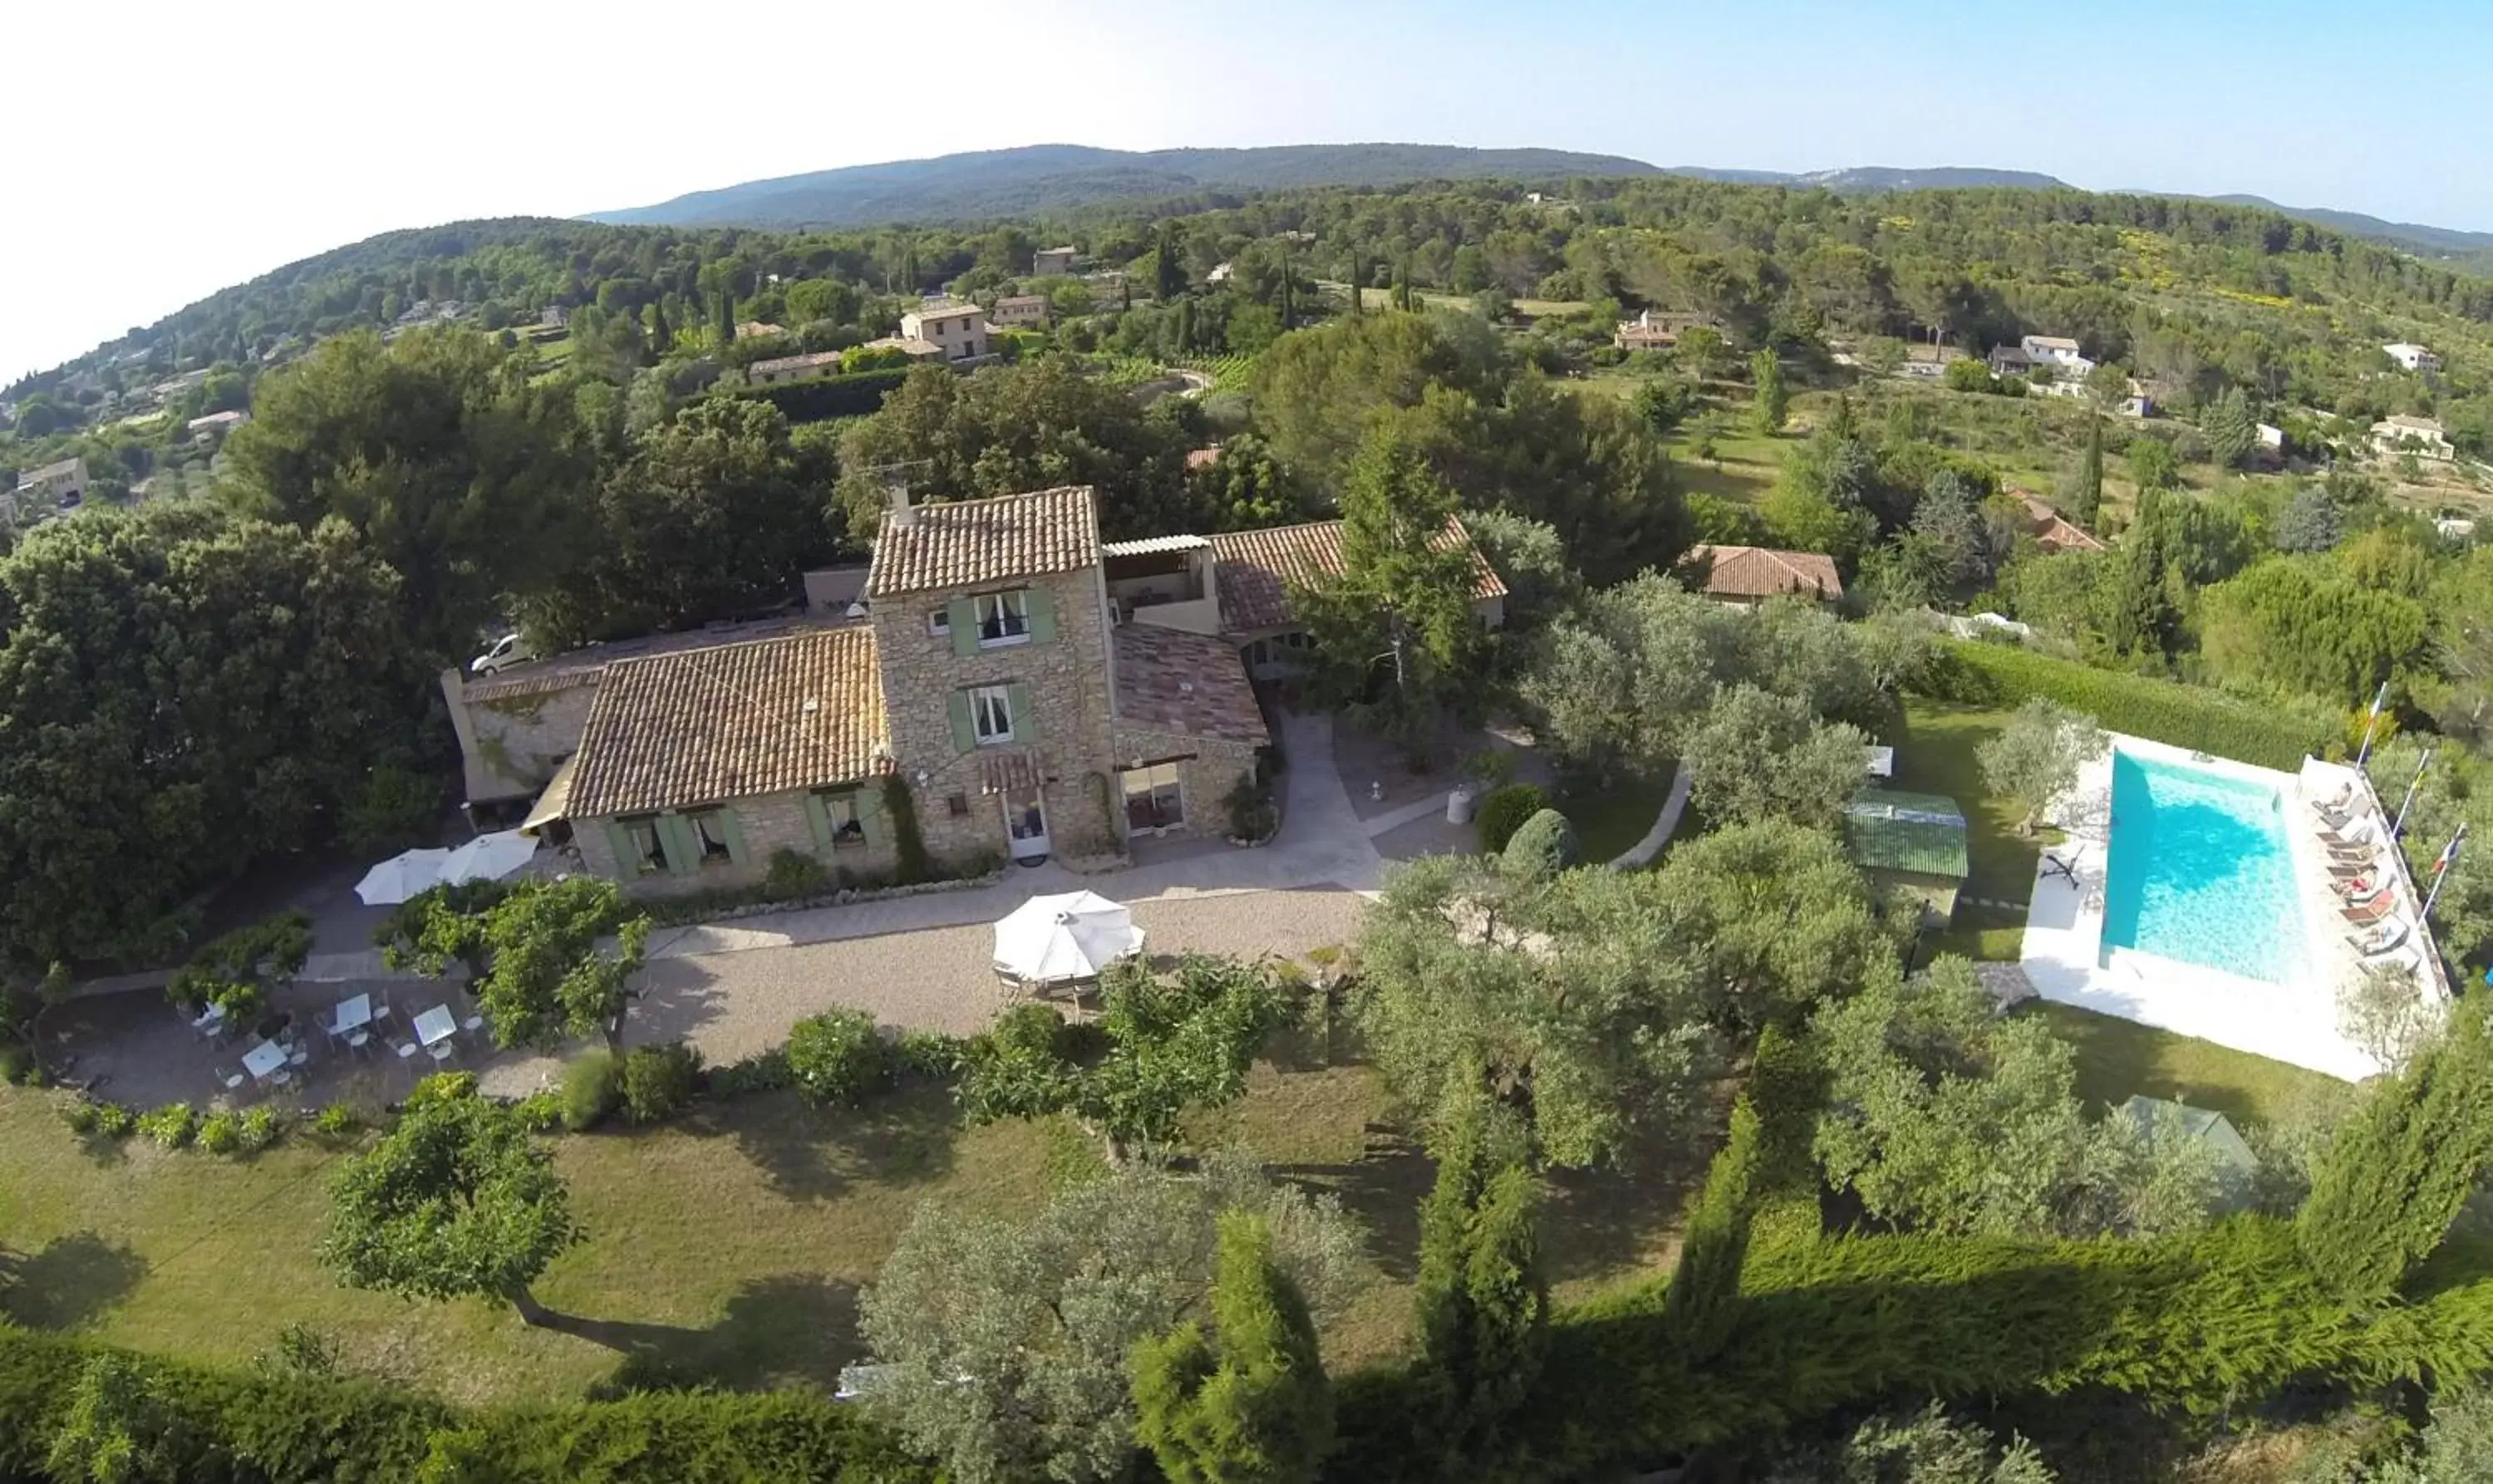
(2399, 1172)
(1248, 1404)
(1772, 403)
(1482, 1298)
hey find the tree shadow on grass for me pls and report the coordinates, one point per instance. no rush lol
(70, 1282)
(1383, 1190)
(786, 1328)
(899, 1139)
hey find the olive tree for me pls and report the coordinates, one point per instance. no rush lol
(2036, 759)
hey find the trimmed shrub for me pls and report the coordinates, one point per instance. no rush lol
(1503, 811)
(840, 1057)
(338, 1120)
(795, 874)
(855, 394)
(540, 1112)
(115, 1121)
(660, 1081)
(1540, 847)
(2275, 733)
(931, 1054)
(592, 1089)
(259, 1128)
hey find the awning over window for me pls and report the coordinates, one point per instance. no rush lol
(556, 802)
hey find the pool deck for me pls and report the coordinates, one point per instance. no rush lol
(2297, 1022)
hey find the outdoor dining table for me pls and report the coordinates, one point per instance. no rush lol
(353, 1020)
(264, 1060)
(436, 1025)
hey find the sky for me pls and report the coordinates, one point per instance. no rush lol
(191, 146)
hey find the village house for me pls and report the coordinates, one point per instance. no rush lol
(1004, 685)
(554, 317)
(1751, 574)
(799, 368)
(1653, 330)
(2052, 530)
(53, 483)
(1052, 262)
(756, 329)
(2410, 357)
(959, 330)
(1016, 312)
(2421, 436)
(215, 425)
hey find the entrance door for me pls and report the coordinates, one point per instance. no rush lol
(1026, 823)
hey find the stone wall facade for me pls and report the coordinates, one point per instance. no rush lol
(1067, 738)
(509, 745)
(1208, 769)
(770, 823)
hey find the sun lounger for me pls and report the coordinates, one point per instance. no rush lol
(2371, 911)
(2338, 800)
(2343, 838)
(2385, 938)
(2349, 871)
(2360, 890)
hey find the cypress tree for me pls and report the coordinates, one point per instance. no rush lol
(1358, 280)
(1251, 1402)
(1772, 403)
(2399, 1172)
(1482, 1298)
(726, 318)
(2089, 501)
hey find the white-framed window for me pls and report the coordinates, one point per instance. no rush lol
(1004, 618)
(940, 622)
(840, 811)
(1153, 799)
(648, 853)
(991, 717)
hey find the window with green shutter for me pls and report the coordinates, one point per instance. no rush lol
(639, 848)
(684, 849)
(872, 820)
(713, 838)
(964, 737)
(837, 816)
(1042, 616)
(1025, 719)
(962, 613)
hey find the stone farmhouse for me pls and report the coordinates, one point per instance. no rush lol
(1014, 688)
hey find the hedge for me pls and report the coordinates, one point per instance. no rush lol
(243, 1428)
(2276, 734)
(853, 394)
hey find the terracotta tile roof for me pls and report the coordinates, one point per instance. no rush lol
(702, 724)
(1257, 567)
(2052, 530)
(963, 542)
(1762, 571)
(1170, 680)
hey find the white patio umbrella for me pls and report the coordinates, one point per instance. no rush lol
(408, 874)
(1069, 935)
(489, 857)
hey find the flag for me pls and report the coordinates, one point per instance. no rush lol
(2450, 852)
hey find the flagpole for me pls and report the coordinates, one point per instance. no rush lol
(2399, 829)
(2441, 872)
(2379, 699)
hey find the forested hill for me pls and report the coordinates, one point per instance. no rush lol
(1042, 178)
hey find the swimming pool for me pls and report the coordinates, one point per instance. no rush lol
(2201, 869)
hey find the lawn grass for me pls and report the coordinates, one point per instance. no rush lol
(1936, 755)
(727, 1249)
(1608, 820)
(2118, 1059)
(1984, 934)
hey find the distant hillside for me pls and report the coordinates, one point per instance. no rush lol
(1045, 177)
(2472, 251)
(1871, 179)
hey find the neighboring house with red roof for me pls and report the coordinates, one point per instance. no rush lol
(1751, 574)
(1016, 686)
(2052, 530)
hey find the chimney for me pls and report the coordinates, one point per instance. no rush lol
(901, 514)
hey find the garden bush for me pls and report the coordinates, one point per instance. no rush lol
(221, 1132)
(17, 1064)
(795, 874)
(259, 1128)
(763, 1072)
(660, 1081)
(171, 1126)
(1503, 811)
(338, 1120)
(540, 1112)
(931, 1054)
(855, 394)
(115, 1121)
(1540, 847)
(840, 1057)
(79, 1115)
(591, 1088)
(2275, 733)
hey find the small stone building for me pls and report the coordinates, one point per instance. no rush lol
(1911, 845)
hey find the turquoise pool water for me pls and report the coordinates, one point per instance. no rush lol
(2201, 869)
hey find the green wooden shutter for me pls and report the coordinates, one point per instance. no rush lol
(733, 829)
(964, 736)
(627, 851)
(1025, 719)
(820, 819)
(682, 845)
(1042, 615)
(870, 816)
(964, 617)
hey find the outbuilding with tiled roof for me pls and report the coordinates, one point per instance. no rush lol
(1256, 569)
(1755, 574)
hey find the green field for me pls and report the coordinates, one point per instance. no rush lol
(727, 1248)
(2118, 1059)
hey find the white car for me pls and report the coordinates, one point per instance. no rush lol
(508, 650)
